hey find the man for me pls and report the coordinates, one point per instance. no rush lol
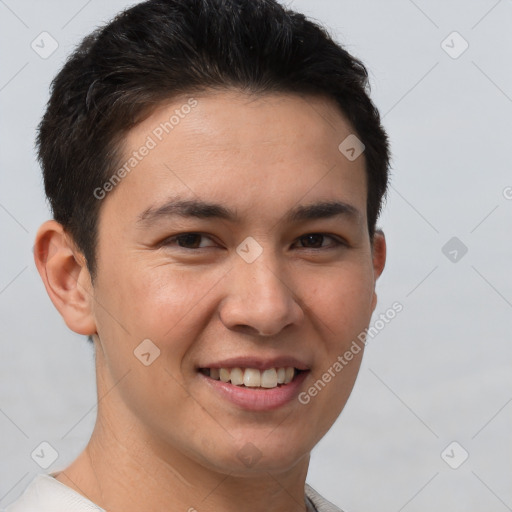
(215, 170)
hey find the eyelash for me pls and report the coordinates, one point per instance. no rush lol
(174, 239)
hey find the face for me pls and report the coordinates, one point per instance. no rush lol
(238, 239)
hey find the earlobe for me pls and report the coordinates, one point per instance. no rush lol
(65, 276)
(378, 258)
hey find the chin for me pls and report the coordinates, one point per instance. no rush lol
(253, 455)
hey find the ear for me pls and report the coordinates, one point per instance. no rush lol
(65, 276)
(378, 258)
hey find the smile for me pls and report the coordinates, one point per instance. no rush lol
(252, 377)
(253, 389)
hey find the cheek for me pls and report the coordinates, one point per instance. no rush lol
(341, 299)
(340, 304)
(163, 302)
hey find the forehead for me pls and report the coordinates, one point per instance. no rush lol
(249, 151)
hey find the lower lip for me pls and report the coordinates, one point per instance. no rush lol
(259, 399)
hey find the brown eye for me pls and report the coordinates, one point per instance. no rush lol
(315, 241)
(190, 240)
(312, 241)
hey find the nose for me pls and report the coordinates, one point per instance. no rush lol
(258, 299)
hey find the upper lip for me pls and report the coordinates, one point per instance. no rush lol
(258, 363)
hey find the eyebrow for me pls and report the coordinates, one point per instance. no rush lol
(186, 208)
(194, 208)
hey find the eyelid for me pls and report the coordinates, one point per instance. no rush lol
(338, 241)
(172, 240)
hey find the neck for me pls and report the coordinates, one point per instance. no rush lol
(117, 474)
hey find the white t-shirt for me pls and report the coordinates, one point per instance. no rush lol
(46, 494)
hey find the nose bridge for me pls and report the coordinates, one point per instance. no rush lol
(259, 297)
(265, 281)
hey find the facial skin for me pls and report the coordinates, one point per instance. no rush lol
(163, 437)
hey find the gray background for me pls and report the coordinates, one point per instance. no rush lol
(438, 373)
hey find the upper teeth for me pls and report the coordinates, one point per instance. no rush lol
(253, 378)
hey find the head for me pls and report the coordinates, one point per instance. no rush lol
(203, 199)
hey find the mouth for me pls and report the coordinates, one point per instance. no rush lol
(255, 383)
(254, 378)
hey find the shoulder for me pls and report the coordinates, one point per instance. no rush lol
(46, 494)
(319, 502)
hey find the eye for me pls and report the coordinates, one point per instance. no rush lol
(191, 241)
(315, 241)
(187, 241)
